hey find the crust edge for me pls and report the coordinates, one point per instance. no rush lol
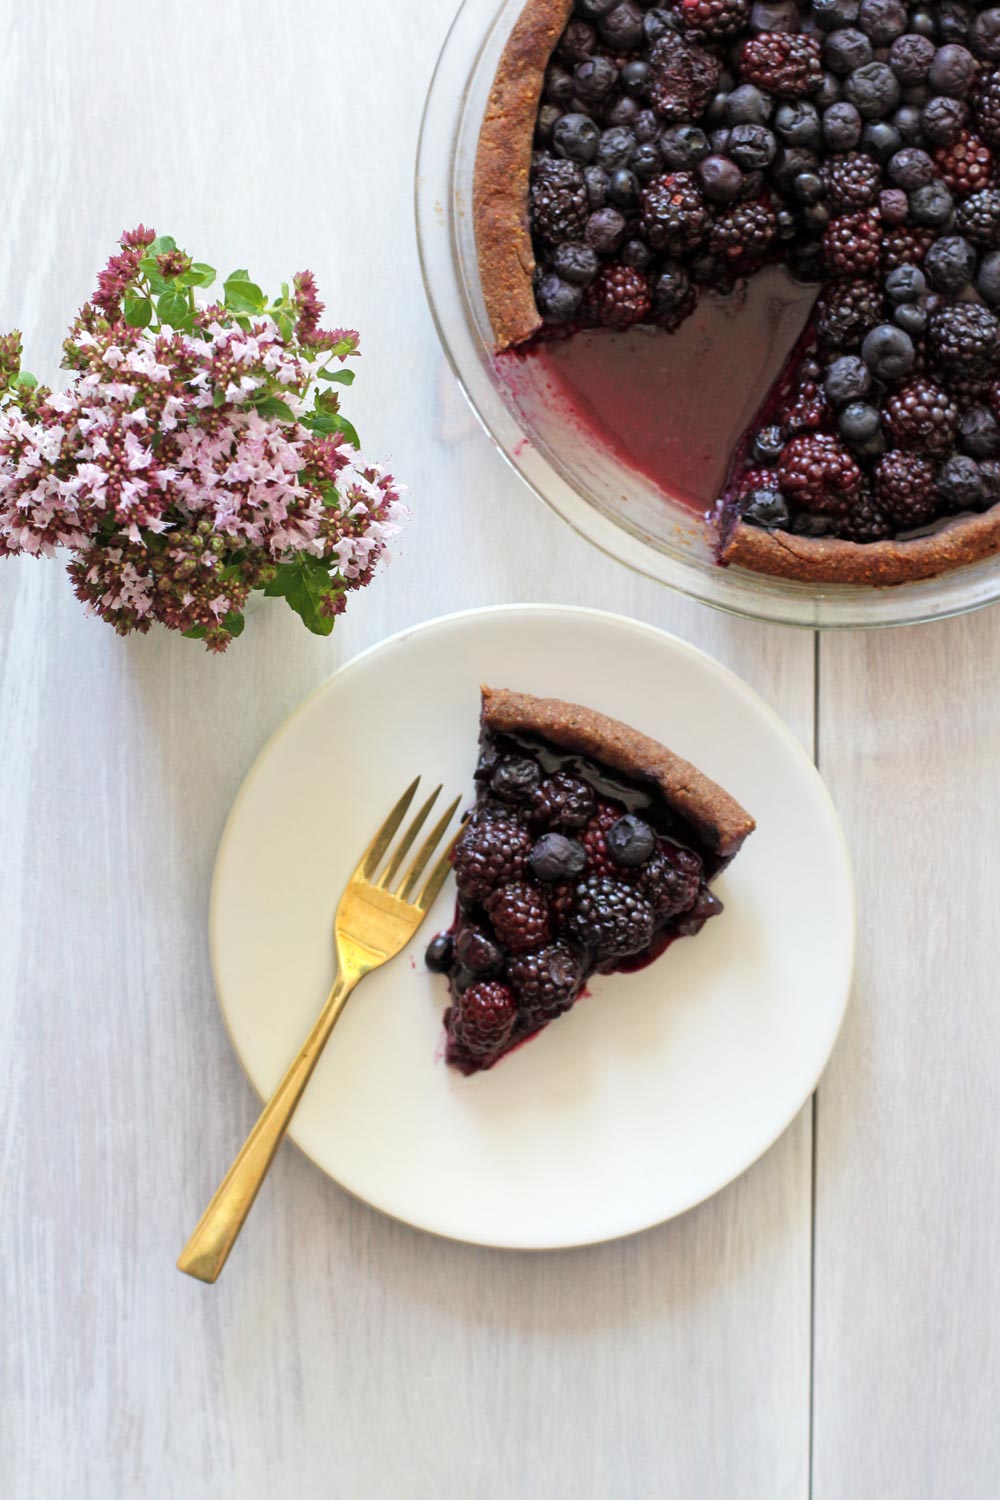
(502, 170)
(719, 819)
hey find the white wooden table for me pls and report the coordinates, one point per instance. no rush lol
(826, 1327)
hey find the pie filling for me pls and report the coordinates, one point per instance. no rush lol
(564, 869)
(680, 149)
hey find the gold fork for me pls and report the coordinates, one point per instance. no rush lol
(373, 923)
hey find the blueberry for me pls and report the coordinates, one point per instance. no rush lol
(646, 161)
(477, 953)
(873, 90)
(623, 190)
(596, 182)
(768, 445)
(943, 120)
(657, 22)
(622, 26)
(807, 187)
(630, 841)
(984, 35)
(989, 474)
(558, 85)
(923, 22)
(950, 263)
(911, 318)
(720, 178)
(888, 352)
(841, 127)
(959, 483)
(893, 207)
(828, 15)
(748, 105)
(683, 146)
(917, 94)
(622, 112)
(953, 69)
(714, 114)
(988, 278)
(859, 423)
(637, 254)
(910, 169)
(593, 10)
(910, 57)
(752, 147)
(514, 778)
(814, 217)
(615, 147)
(765, 508)
(828, 92)
(955, 18)
(545, 123)
(846, 50)
(578, 41)
(594, 78)
(908, 120)
(575, 263)
(790, 162)
(635, 77)
(805, 261)
(438, 956)
(905, 284)
(798, 124)
(671, 286)
(555, 857)
(847, 379)
(882, 20)
(778, 15)
(605, 231)
(811, 523)
(558, 301)
(880, 140)
(576, 137)
(646, 126)
(979, 432)
(932, 205)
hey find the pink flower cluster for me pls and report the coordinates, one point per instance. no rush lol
(185, 466)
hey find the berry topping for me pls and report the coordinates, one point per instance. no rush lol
(671, 879)
(707, 905)
(545, 982)
(558, 200)
(514, 778)
(852, 181)
(520, 915)
(556, 857)
(684, 77)
(620, 296)
(438, 955)
(904, 488)
(611, 917)
(478, 953)
(922, 416)
(714, 18)
(817, 473)
(480, 1024)
(851, 244)
(964, 338)
(786, 65)
(630, 841)
(493, 849)
(745, 232)
(563, 802)
(674, 215)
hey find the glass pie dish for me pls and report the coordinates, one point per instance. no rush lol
(635, 481)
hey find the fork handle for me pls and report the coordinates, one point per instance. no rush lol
(207, 1250)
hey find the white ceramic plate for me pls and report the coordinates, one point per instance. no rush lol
(653, 1092)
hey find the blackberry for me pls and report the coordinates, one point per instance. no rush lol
(922, 416)
(817, 473)
(493, 849)
(563, 802)
(904, 488)
(864, 521)
(986, 106)
(684, 77)
(978, 218)
(965, 166)
(807, 410)
(852, 181)
(845, 312)
(480, 1024)
(594, 839)
(964, 338)
(745, 232)
(785, 64)
(545, 982)
(905, 246)
(558, 200)
(611, 917)
(714, 19)
(619, 297)
(520, 915)
(674, 214)
(671, 879)
(851, 244)
(706, 905)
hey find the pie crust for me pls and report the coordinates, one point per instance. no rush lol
(506, 268)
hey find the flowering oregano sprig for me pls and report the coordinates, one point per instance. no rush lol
(198, 453)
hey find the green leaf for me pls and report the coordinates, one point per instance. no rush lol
(196, 633)
(161, 245)
(342, 377)
(341, 424)
(305, 583)
(273, 406)
(173, 308)
(285, 325)
(138, 311)
(330, 496)
(205, 273)
(243, 296)
(218, 396)
(25, 380)
(149, 269)
(233, 622)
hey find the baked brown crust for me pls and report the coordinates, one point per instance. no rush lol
(965, 540)
(503, 167)
(720, 821)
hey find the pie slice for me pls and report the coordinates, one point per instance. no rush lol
(590, 848)
(635, 158)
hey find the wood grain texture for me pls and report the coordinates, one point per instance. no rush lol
(907, 1394)
(341, 1355)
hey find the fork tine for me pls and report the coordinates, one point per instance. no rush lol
(439, 874)
(425, 851)
(372, 856)
(406, 842)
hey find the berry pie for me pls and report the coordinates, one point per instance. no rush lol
(636, 157)
(590, 848)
